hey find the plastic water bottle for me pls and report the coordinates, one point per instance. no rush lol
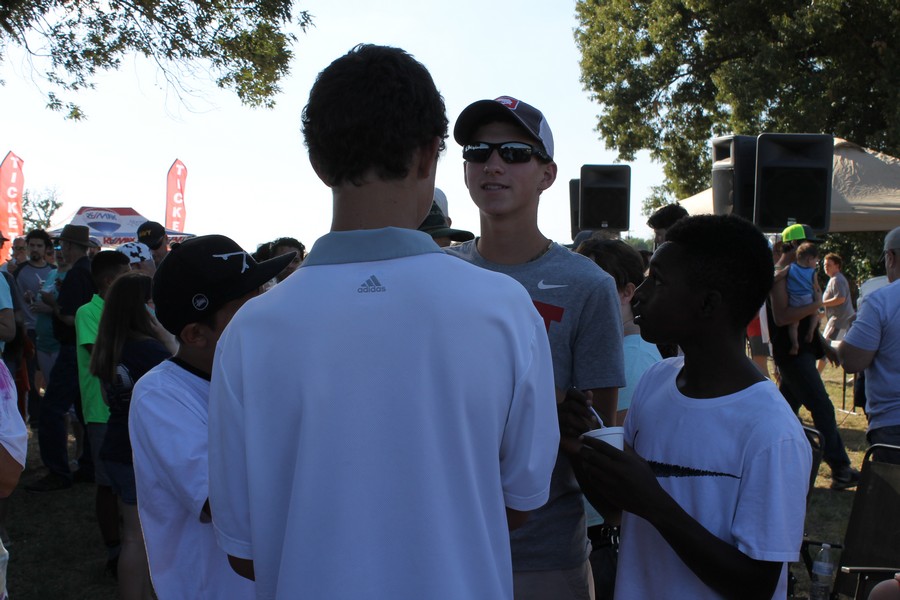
(4, 561)
(822, 572)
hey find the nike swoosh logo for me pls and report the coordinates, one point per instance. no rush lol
(549, 286)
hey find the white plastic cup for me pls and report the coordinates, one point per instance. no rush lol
(614, 436)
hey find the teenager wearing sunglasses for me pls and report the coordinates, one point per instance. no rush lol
(508, 152)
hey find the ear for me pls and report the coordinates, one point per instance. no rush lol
(426, 158)
(548, 176)
(315, 167)
(195, 334)
(627, 293)
(465, 175)
(712, 300)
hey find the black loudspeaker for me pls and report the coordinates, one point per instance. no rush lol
(604, 202)
(574, 193)
(734, 175)
(793, 181)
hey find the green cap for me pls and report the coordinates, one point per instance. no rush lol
(799, 232)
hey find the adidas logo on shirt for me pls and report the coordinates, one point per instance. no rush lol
(371, 285)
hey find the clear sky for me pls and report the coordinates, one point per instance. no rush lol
(248, 173)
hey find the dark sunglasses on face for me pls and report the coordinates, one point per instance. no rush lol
(509, 152)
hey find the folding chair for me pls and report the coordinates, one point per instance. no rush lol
(817, 445)
(872, 542)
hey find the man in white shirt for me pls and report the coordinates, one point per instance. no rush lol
(376, 463)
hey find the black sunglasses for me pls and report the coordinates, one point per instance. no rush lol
(509, 152)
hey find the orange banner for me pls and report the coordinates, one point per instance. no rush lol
(175, 211)
(12, 186)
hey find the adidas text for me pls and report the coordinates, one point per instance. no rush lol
(371, 285)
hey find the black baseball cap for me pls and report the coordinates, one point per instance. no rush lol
(435, 225)
(151, 234)
(202, 274)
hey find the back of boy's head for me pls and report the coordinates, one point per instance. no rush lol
(107, 264)
(807, 250)
(370, 110)
(666, 216)
(617, 258)
(730, 255)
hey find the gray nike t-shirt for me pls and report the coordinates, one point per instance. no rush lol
(580, 306)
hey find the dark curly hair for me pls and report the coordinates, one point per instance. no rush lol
(371, 109)
(666, 216)
(730, 255)
(289, 242)
(39, 234)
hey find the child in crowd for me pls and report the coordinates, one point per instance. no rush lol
(802, 288)
(129, 342)
(714, 475)
(196, 291)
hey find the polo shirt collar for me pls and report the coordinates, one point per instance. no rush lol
(366, 245)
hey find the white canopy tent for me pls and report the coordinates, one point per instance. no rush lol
(865, 192)
(113, 226)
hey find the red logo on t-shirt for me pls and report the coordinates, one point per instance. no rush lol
(549, 312)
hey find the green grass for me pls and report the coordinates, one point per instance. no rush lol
(57, 552)
(829, 510)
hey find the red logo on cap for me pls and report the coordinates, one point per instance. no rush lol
(510, 103)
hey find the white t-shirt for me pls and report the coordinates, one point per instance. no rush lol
(370, 418)
(738, 464)
(168, 428)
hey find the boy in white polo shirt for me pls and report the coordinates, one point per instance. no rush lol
(196, 290)
(378, 463)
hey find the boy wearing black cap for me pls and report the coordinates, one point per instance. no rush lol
(380, 464)
(508, 153)
(196, 291)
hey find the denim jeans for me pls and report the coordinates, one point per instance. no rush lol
(801, 384)
(61, 393)
(886, 435)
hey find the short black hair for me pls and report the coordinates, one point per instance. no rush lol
(39, 234)
(290, 242)
(728, 254)
(617, 258)
(666, 216)
(106, 263)
(263, 252)
(371, 109)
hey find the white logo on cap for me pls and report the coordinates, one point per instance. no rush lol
(510, 103)
(200, 302)
(225, 257)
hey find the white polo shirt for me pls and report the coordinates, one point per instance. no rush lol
(370, 418)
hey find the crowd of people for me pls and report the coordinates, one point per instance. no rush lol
(400, 413)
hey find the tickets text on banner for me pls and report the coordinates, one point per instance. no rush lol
(12, 186)
(175, 211)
